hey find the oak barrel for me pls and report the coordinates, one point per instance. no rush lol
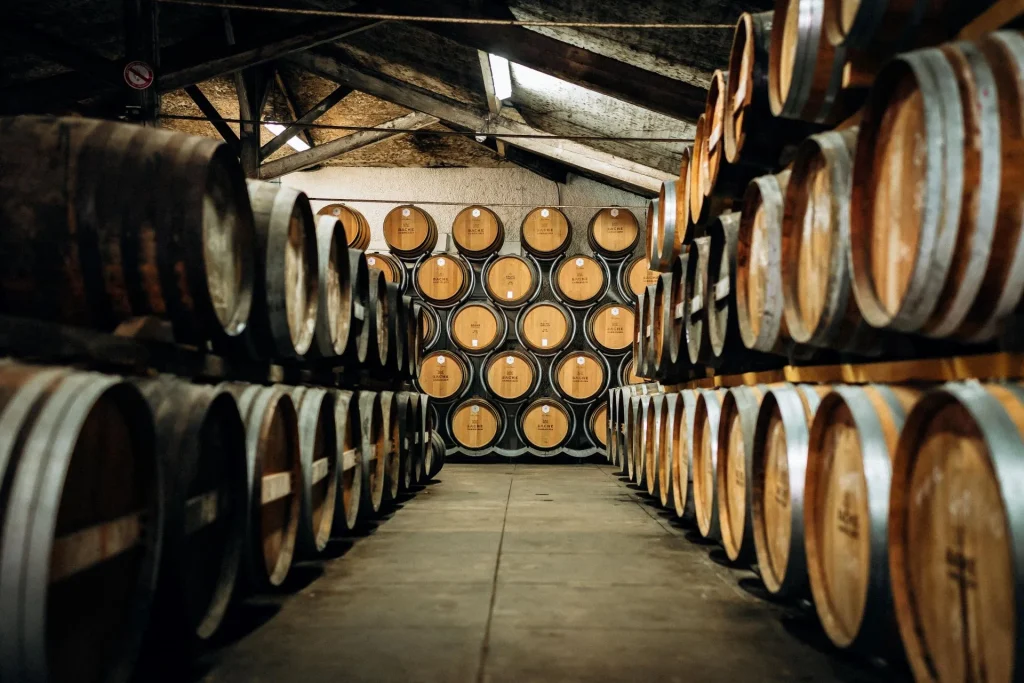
(389, 264)
(350, 468)
(704, 462)
(579, 280)
(720, 301)
(671, 445)
(664, 343)
(626, 374)
(597, 426)
(579, 375)
(935, 245)
(634, 275)
(357, 229)
(511, 375)
(372, 452)
(318, 444)
(358, 345)
(696, 303)
(653, 448)
(81, 519)
(954, 533)
(138, 221)
(733, 472)
(429, 325)
(200, 444)
(846, 505)
(397, 331)
(546, 233)
(510, 280)
(545, 424)
(695, 191)
(667, 242)
(437, 454)
(682, 460)
(477, 232)
(378, 318)
(275, 480)
(391, 415)
(335, 306)
(477, 424)
(777, 485)
(408, 435)
(443, 279)
(545, 327)
(613, 232)
(409, 231)
(445, 375)
(610, 328)
(643, 438)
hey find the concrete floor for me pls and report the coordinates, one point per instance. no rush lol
(516, 572)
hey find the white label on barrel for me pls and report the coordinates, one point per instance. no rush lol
(475, 342)
(476, 213)
(545, 213)
(405, 212)
(679, 310)
(579, 263)
(319, 469)
(200, 511)
(510, 360)
(543, 342)
(440, 360)
(275, 486)
(580, 361)
(474, 409)
(336, 211)
(722, 289)
(615, 213)
(372, 261)
(545, 409)
(510, 294)
(440, 262)
(615, 311)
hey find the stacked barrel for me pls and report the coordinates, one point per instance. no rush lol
(134, 510)
(521, 343)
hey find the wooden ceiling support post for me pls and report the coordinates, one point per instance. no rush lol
(210, 112)
(142, 49)
(314, 113)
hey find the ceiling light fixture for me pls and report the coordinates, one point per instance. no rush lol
(501, 75)
(295, 143)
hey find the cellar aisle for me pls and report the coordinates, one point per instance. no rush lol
(527, 573)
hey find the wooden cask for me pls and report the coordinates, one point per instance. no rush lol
(733, 471)
(445, 375)
(698, 336)
(667, 242)
(777, 485)
(391, 415)
(671, 445)
(357, 348)
(704, 447)
(511, 280)
(695, 191)
(713, 153)
(546, 233)
(373, 451)
(627, 373)
(429, 326)
(81, 517)
(948, 263)
(545, 327)
(408, 434)
(443, 280)
(644, 349)
(413, 338)
(753, 136)
(350, 469)
(286, 285)
(759, 301)
(409, 232)
(477, 424)
(882, 28)
(580, 375)
(200, 445)
(610, 328)
(818, 302)
(720, 302)
(335, 305)
(128, 237)
(275, 481)
(597, 426)
(318, 450)
(545, 424)
(638, 404)
(511, 375)
(846, 505)
(477, 232)
(424, 423)
(652, 443)
(579, 280)
(805, 71)
(477, 327)
(378, 319)
(390, 265)
(357, 229)
(613, 232)
(682, 460)
(397, 329)
(437, 454)
(612, 446)
(954, 533)
(667, 322)
(634, 276)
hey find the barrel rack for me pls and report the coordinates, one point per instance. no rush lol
(511, 444)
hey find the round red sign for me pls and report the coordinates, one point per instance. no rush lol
(138, 75)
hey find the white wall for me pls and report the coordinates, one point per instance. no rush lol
(461, 187)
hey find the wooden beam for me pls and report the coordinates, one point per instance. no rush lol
(493, 103)
(315, 112)
(251, 85)
(210, 112)
(347, 143)
(142, 44)
(293, 111)
(572, 64)
(631, 173)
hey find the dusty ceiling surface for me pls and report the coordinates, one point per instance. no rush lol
(565, 81)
